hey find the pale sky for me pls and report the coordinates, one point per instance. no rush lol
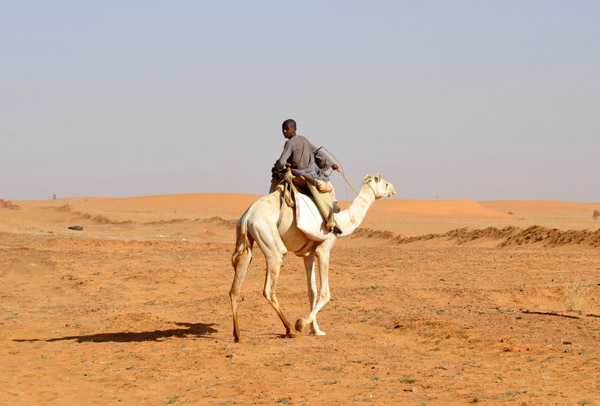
(482, 100)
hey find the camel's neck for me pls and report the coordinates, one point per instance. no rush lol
(350, 219)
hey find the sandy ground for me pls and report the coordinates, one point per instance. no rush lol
(433, 303)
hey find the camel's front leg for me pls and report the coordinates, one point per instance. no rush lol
(309, 265)
(322, 261)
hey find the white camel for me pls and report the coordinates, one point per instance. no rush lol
(272, 224)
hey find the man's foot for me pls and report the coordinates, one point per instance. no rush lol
(336, 208)
(336, 230)
(322, 186)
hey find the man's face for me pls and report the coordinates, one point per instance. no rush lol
(288, 132)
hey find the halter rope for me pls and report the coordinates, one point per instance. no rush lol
(347, 182)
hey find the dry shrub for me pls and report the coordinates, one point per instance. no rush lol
(576, 294)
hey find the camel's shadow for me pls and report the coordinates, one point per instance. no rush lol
(189, 329)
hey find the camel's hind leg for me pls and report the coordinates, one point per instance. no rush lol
(309, 265)
(241, 266)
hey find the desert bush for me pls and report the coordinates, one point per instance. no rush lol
(596, 214)
(575, 294)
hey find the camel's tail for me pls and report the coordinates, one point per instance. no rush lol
(242, 242)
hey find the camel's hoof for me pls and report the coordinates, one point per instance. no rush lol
(318, 333)
(300, 324)
(291, 334)
(239, 339)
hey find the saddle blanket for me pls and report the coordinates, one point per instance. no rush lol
(309, 218)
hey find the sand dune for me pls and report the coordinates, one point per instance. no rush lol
(544, 209)
(540, 205)
(435, 208)
(237, 203)
(192, 201)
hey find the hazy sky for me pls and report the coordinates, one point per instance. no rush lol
(480, 100)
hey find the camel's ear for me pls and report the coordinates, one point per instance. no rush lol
(378, 177)
(367, 178)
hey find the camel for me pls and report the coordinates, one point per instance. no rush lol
(270, 222)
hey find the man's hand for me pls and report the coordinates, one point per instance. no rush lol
(335, 167)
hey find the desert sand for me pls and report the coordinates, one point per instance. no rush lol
(433, 303)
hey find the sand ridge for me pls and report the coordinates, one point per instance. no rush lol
(506, 236)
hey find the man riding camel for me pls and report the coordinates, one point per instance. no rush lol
(309, 163)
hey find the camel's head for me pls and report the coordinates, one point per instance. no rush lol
(381, 187)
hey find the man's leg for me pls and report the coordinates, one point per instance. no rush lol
(326, 186)
(325, 204)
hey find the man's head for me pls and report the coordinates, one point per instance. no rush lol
(288, 128)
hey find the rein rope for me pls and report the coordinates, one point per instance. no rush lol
(347, 182)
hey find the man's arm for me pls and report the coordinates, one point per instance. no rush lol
(287, 152)
(323, 161)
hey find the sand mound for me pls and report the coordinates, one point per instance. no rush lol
(463, 235)
(94, 218)
(370, 233)
(7, 204)
(554, 237)
(510, 236)
(100, 219)
(515, 236)
(65, 208)
(222, 221)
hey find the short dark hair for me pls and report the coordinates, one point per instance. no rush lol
(289, 123)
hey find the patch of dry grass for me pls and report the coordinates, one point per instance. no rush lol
(576, 294)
